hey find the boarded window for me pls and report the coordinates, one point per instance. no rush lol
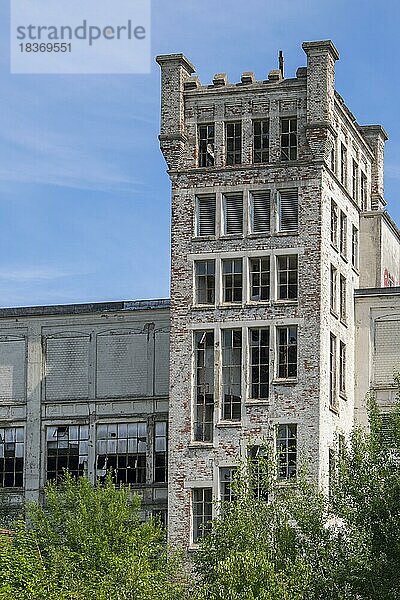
(205, 215)
(261, 212)
(67, 367)
(288, 210)
(386, 351)
(233, 213)
(12, 368)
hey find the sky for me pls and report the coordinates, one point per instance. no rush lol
(84, 194)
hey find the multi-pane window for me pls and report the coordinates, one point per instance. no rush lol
(259, 279)
(333, 158)
(201, 512)
(67, 450)
(363, 188)
(343, 164)
(286, 450)
(261, 141)
(343, 299)
(11, 457)
(231, 374)
(287, 352)
(334, 224)
(205, 281)
(332, 372)
(342, 368)
(260, 212)
(206, 137)
(287, 274)
(232, 279)
(226, 477)
(288, 205)
(233, 213)
(160, 452)
(289, 138)
(343, 235)
(259, 466)
(354, 247)
(121, 449)
(259, 364)
(354, 187)
(233, 143)
(331, 472)
(204, 386)
(205, 214)
(333, 289)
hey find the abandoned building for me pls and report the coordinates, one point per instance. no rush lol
(284, 310)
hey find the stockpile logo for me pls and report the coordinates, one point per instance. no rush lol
(76, 37)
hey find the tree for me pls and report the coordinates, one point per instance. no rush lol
(299, 544)
(88, 543)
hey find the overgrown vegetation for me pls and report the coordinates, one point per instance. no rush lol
(90, 543)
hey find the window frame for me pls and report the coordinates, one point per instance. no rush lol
(264, 151)
(12, 478)
(231, 408)
(205, 158)
(289, 151)
(286, 285)
(207, 276)
(232, 274)
(263, 273)
(287, 449)
(284, 349)
(203, 418)
(235, 155)
(200, 530)
(261, 366)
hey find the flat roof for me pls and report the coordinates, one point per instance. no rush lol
(386, 291)
(90, 307)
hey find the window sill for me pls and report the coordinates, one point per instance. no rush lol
(204, 238)
(356, 270)
(231, 305)
(260, 234)
(334, 410)
(335, 248)
(334, 314)
(287, 233)
(258, 402)
(255, 303)
(232, 236)
(291, 302)
(344, 258)
(344, 323)
(227, 424)
(343, 396)
(200, 445)
(203, 306)
(285, 381)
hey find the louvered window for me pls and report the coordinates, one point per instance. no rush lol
(205, 212)
(233, 213)
(288, 210)
(261, 212)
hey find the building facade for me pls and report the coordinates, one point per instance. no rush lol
(284, 308)
(274, 188)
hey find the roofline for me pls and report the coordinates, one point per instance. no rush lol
(86, 308)
(387, 291)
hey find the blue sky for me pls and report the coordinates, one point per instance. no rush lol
(84, 197)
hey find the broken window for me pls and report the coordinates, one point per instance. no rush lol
(355, 181)
(286, 450)
(232, 273)
(343, 235)
(259, 279)
(260, 212)
(287, 352)
(261, 141)
(233, 213)
(333, 286)
(231, 374)
(67, 450)
(342, 368)
(259, 364)
(289, 138)
(334, 223)
(205, 215)
(259, 471)
(343, 164)
(364, 201)
(226, 477)
(343, 299)
(121, 449)
(234, 143)
(160, 452)
(204, 386)
(354, 247)
(201, 512)
(287, 277)
(206, 136)
(332, 373)
(11, 457)
(288, 204)
(205, 281)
